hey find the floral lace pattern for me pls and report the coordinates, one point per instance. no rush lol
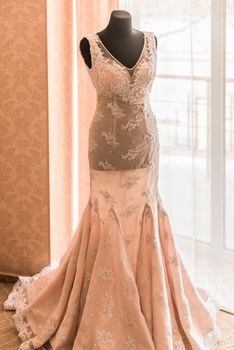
(128, 126)
(17, 300)
(121, 284)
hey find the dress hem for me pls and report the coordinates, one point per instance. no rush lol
(17, 300)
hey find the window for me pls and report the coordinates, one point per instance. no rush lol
(193, 101)
(229, 123)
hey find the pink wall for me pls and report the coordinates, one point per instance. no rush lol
(24, 180)
(37, 61)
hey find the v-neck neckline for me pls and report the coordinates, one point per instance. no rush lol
(127, 68)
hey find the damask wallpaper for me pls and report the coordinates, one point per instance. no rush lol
(24, 181)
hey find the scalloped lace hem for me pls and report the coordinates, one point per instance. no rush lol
(17, 300)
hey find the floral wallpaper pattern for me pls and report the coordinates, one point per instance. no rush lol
(24, 194)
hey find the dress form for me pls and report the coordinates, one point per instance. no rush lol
(119, 37)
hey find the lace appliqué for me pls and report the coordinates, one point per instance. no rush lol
(105, 339)
(132, 123)
(128, 318)
(116, 110)
(106, 165)
(130, 344)
(105, 274)
(110, 138)
(107, 305)
(17, 300)
(128, 289)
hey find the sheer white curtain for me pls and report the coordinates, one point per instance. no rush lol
(188, 98)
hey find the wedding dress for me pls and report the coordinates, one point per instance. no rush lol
(121, 283)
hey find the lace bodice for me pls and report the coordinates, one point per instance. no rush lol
(123, 132)
(113, 80)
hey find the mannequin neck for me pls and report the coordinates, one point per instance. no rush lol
(120, 23)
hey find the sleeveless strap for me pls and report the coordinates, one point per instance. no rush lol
(94, 51)
(97, 53)
(152, 50)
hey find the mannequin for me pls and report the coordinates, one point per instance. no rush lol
(120, 39)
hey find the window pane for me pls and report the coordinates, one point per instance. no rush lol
(180, 99)
(229, 123)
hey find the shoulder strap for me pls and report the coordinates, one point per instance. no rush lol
(153, 43)
(94, 51)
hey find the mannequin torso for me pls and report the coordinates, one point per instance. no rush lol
(122, 41)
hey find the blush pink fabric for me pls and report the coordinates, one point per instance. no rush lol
(121, 284)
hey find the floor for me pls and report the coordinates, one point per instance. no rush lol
(9, 339)
(209, 272)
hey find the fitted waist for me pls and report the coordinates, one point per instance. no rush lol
(136, 100)
(116, 108)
